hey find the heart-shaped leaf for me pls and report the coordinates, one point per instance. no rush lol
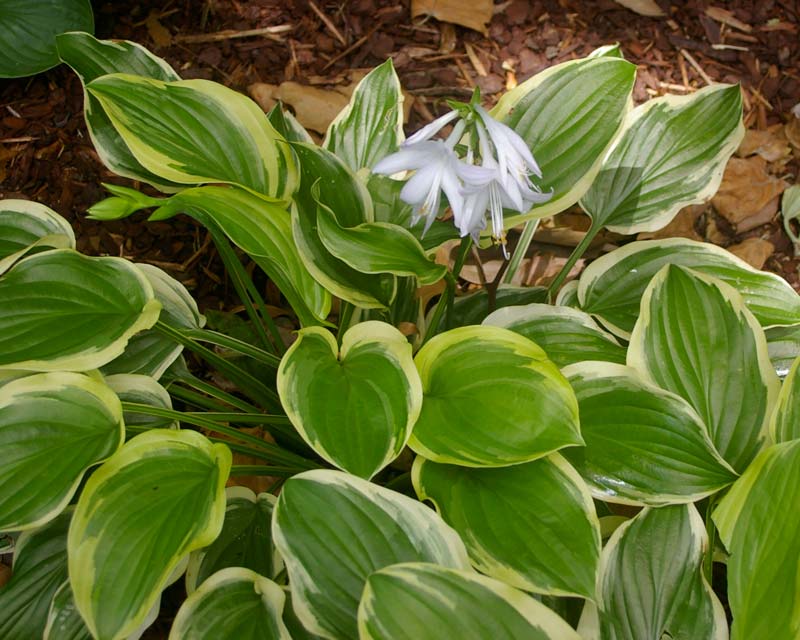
(491, 398)
(333, 530)
(355, 406)
(531, 525)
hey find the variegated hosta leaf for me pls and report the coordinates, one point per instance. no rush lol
(611, 288)
(233, 604)
(644, 445)
(91, 58)
(287, 125)
(378, 247)
(150, 352)
(333, 530)
(262, 230)
(327, 183)
(783, 344)
(355, 406)
(370, 127)
(26, 226)
(696, 338)
(531, 525)
(566, 335)
(473, 308)
(427, 602)
(651, 585)
(568, 295)
(64, 622)
(245, 539)
(132, 387)
(101, 303)
(491, 399)
(40, 567)
(759, 523)
(568, 115)
(27, 38)
(672, 153)
(785, 421)
(53, 427)
(158, 498)
(196, 131)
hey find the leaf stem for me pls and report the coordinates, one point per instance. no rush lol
(711, 532)
(234, 344)
(573, 258)
(263, 470)
(209, 389)
(521, 249)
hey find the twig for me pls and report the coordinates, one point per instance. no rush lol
(475, 60)
(696, 66)
(760, 98)
(327, 22)
(352, 47)
(18, 139)
(230, 34)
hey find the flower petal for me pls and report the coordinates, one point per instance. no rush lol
(431, 129)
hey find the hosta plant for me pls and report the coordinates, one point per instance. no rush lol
(571, 462)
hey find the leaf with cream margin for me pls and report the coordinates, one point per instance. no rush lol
(672, 153)
(333, 530)
(566, 335)
(491, 399)
(27, 226)
(696, 338)
(651, 585)
(134, 387)
(644, 445)
(370, 127)
(101, 303)
(53, 428)
(531, 525)
(785, 421)
(759, 524)
(783, 344)
(568, 115)
(354, 405)
(163, 494)
(233, 604)
(611, 287)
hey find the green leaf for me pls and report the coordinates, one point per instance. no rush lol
(531, 525)
(91, 58)
(53, 427)
(162, 494)
(333, 530)
(672, 153)
(287, 125)
(790, 210)
(101, 303)
(378, 247)
(196, 131)
(611, 287)
(491, 399)
(760, 526)
(233, 604)
(644, 445)
(355, 406)
(25, 226)
(370, 127)
(783, 345)
(785, 421)
(474, 308)
(568, 115)
(262, 230)
(28, 36)
(568, 295)
(245, 539)
(651, 586)
(326, 182)
(131, 387)
(419, 600)
(566, 335)
(40, 566)
(696, 338)
(64, 622)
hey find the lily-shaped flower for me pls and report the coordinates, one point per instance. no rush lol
(436, 166)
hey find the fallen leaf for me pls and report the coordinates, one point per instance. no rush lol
(473, 15)
(754, 251)
(5, 574)
(770, 144)
(748, 195)
(682, 225)
(792, 132)
(158, 32)
(642, 7)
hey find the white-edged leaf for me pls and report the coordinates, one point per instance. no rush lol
(64, 622)
(783, 345)
(26, 226)
(785, 421)
(333, 530)
(134, 387)
(531, 525)
(697, 339)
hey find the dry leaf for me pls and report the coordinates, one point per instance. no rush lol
(473, 15)
(682, 225)
(754, 251)
(726, 17)
(5, 574)
(748, 195)
(770, 144)
(642, 7)
(158, 32)
(314, 108)
(792, 132)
